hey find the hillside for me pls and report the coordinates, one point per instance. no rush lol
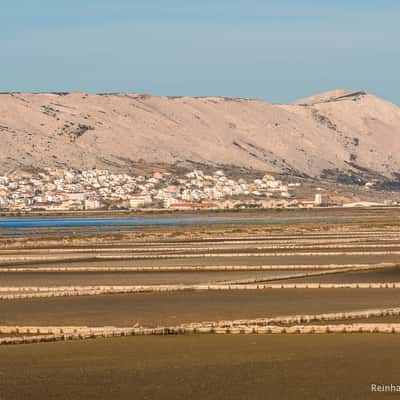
(325, 135)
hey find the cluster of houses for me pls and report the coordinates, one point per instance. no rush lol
(102, 189)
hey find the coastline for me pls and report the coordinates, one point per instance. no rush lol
(160, 213)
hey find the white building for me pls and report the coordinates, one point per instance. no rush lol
(318, 199)
(91, 204)
(139, 200)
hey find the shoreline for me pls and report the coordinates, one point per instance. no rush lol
(160, 213)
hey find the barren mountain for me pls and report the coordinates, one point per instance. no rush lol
(337, 134)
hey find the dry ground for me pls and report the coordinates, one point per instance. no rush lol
(173, 308)
(326, 366)
(296, 367)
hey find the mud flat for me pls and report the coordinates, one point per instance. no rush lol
(376, 275)
(172, 308)
(228, 366)
(22, 279)
(317, 260)
(294, 367)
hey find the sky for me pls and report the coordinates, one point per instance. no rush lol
(277, 51)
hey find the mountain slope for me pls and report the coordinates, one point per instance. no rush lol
(337, 130)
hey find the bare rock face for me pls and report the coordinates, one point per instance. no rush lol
(322, 135)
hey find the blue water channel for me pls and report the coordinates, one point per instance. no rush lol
(21, 226)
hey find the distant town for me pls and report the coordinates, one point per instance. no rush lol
(70, 190)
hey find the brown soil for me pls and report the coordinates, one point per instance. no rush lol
(291, 367)
(378, 275)
(20, 279)
(172, 308)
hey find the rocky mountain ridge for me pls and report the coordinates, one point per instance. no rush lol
(344, 135)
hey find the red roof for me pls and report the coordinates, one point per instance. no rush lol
(192, 205)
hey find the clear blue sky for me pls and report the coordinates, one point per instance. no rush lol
(273, 50)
